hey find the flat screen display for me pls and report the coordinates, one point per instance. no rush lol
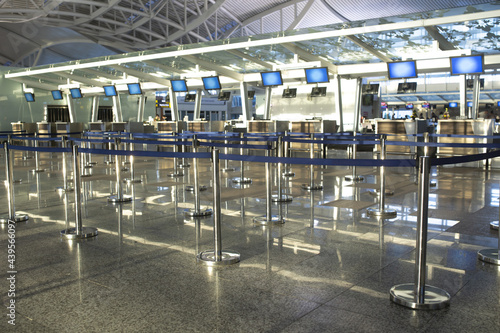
(317, 75)
(426, 105)
(402, 69)
(179, 85)
(498, 103)
(30, 97)
(452, 104)
(110, 91)
(57, 95)
(134, 89)
(469, 104)
(76, 93)
(271, 78)
(409, 106)
(467, 65)
(211, 82)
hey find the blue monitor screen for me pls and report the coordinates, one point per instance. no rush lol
(110, 91)
(409, 106)
(211, 83)
(467, 65)
(76, 93)
(57, 94)
(271, 78)
(179, 85)
(469, 104)
(30, 97)
(498, 103)
(317, 75)
(452, 104)
(402, 69)
(134, 89)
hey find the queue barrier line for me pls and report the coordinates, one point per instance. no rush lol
(90, 140)
(35, 138)
(234, 145)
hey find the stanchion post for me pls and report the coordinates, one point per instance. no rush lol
(197, 211)
(287, 172)
(268, 218)
(418, 295)
(183, 164)
(9, 176)
(241, 179)
(65, 187)
(382, 212)
(280, 197)
(132, 178)
(311, 186)
(37, 156)
(354, 177)
(78, 232)
(119, 196)
(217, 257)
(226, 149)
(176, 172)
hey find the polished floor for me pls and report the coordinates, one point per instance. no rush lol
(328, 268)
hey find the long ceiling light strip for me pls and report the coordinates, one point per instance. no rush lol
(264, 42)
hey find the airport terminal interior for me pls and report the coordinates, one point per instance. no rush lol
(289, 166)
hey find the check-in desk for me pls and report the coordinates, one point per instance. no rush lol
(23, 127)
(311, 126)
(198, 126)
(169, 126)
(99, 126)
(118, 127)
(66, 128)
(463, 127)
(267, 126)
(399, 130)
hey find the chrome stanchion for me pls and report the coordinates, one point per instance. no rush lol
(382, 211)
(89, 160)
(226, 161)
(37, 157)
(280, 197)
(418, 295)
(311, 186)
(183, 164)
(65, 187)
(110, 159)
(287, 172)
(176, 173)
(119, 197)
(132, 178)
(217, 257)
(241, 179)
(354, 177)
(197, 211)
(268, 218)
(491, 256)
(9, 175)
(83, 161)
(78, 232)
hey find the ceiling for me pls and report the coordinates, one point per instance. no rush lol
(40, 32)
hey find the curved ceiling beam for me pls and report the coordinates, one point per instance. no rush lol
(301, 16)
(100, 12)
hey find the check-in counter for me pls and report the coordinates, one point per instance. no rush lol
(267, 126)
(400, 130)
(118, 127)
(170, 126)
(463, 127)
(65, 128)
(198, 126)
(26, 127)
(99, 126)
(311, 126)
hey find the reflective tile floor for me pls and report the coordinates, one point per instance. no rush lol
(328, 268)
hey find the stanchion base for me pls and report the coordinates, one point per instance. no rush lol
(264, 220)
(494, 225)
(227, 258)
(200, 213)
(87, 232)
(37, 170)
(17, 218)
(130, 181)
(354, 178)
(62, 189)
(376, 192)
(288, 174)
(190, 188)
(283, 198)
(381, 213)
(115, 199)
(228, 169)
(176, 174)
(435, 298)
(88, 166)
(240, 180)
(92, 163)
(27, 157)
(185, 165)
(125, 169)
(17, 181)
(109, 162)
(489, 256)
(85, 175)
(311, 187)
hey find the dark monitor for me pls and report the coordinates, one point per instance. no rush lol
(473, 64)
(179, 85)
(211, 83)
(402, 69)
(30, 97)
(189, 98)
(409, 106)
(289, 93)
(426, 105)
(250, 94)
(370, 88)
(134, 89)
(318, 92)
(407, 87)
(57, 95)
(110, 91)
(469, 104)
(76, 93)
(452, 104)
(470, 84)
(317, 75)
(270, 79)
(224, 96)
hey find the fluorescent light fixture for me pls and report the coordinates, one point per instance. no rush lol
(297, 65)
(198, 75)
